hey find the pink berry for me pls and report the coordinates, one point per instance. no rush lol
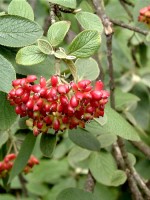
(19, 92)
(42, 82)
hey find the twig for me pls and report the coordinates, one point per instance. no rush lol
(142, 147)
(135, 29)
(72, 68)
(90, 183)
(126, 8)
(23, 184)
(120, 154)
(129, 166)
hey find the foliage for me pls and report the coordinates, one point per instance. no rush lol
(68, 39)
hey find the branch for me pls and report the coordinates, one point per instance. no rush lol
(90, 183)
(120, 152)
(23, 184)
(123, 25)
(133, 172)
(142, 147)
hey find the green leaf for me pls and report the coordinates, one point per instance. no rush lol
(104, 169)
(24, 31)
(89, 21)
(7, 113)
(87, 68)
(103, 192)
(21, 8)
(47, 144)
(7, 197)
(84, 139)
(66, 3)
(148, 37)
(57, 32)
(3, 137)
(116, 125)
(76, 155)
(7, 75)
(23, 156)
(118, 178)
(106, 139)
(85, 44)
(30, 55)
(52, 171)
(37, 188)
(123, 100)
(74, 194)
(45, 46)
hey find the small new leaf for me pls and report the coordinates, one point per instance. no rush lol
(45, 46)
(57, 32)
(30, 55)
(85, 44)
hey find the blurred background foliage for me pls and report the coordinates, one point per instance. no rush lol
(68, 166)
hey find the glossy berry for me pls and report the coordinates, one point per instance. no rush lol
(56, 105)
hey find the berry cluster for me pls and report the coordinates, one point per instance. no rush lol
(7, 164)
(55, 105)
(145, 15)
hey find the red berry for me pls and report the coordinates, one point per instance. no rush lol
(54, 81)
(56, 124)
(42, 82)
(16, 82)
(31, 78)
(74, 102)
(30, 104)
(62, 89)
(36, 88)
(99, 85)
(83, 84)
(64, 100)
(19, 92)
(25, 97)
(97, 95)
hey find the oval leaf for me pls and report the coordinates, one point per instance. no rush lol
(74, 194)
(45, 46)
(47, 144)
(102, 166)
(7, 113)
(85, 44)
(85, 19)
(57, 32)
(7, 74)
(30, 55)
(24, 31)
(87, 68)
(118, 178)
(117, 125)
(66, 3)
(84, 139)
(23, 156)
(21, 8)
